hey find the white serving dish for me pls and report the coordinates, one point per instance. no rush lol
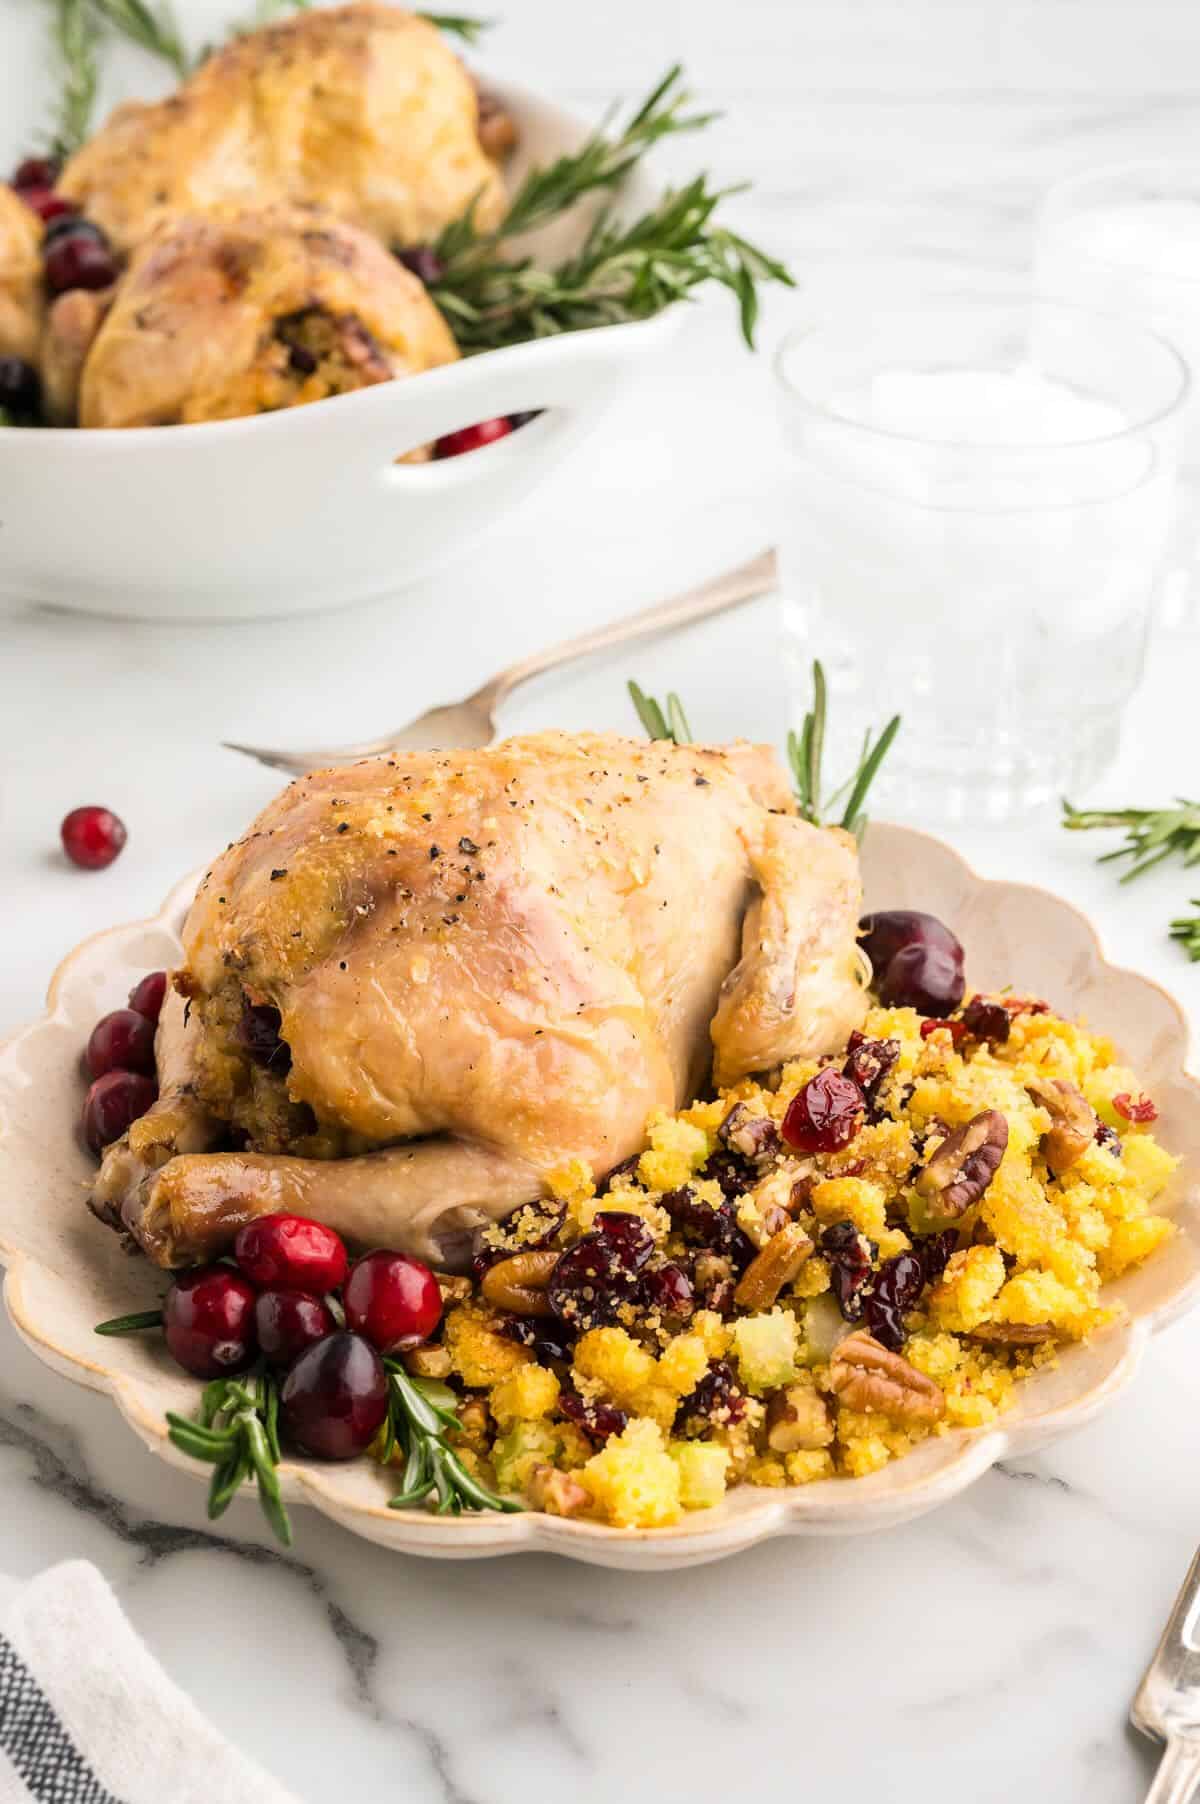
(289, 512)
(66, 1272)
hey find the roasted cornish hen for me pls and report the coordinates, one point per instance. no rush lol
(420, 986)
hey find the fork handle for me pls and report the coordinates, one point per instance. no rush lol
(730, 590)
(1177, 1780)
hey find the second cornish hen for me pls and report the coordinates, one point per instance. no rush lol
(421, 985)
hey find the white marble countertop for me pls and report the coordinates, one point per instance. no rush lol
(986, 1652)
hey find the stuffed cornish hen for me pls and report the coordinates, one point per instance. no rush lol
(419, 987)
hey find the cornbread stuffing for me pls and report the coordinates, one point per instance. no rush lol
(734, 1308)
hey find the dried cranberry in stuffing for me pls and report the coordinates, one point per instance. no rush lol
(625, 1169)
(258, 1033)
(716, 1402)
(849, 1253)
(592, 1282)
(732, 1172)
(597, 1420)
(1110, 1140)
(935, 1251)
(628, 1233)
(702, 1225)
(668, 1289)
(531, 1228)
(986, 1020)
(825, 1114)
(868, 1063)
(1132, 1108)
(893, 1291)
(956, 1029)
(548, 1339)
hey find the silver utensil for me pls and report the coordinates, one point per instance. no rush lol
(1167, 1704)
(472, 721)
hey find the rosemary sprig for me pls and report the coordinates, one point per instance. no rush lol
(459, 25)
(419, 1413)
(130, 1324)
(75, 38)
(1186, 930)
(1151, 834)
(671, 725)
(147, 24)
(237, 1432)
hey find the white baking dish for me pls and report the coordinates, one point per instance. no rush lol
(307, 508)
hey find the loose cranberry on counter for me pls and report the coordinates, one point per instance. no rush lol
(20, 390)
(122, 1041)
(147, 995)
(288, 1322)
(470, 438)
(112, 1102)
(825, 1113)
(92, 837)
(393, 1300)
(335, 1397)
(47, 204)
(78, 259)
(36, 172)
(293, 1252)
(208, 1321)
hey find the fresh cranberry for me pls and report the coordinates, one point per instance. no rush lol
(825, 1113)
(924, 978)
(598, 1420)
(716, 1402)
(868, 1064)
(956, 1029)
(36, 172)
(893, 1291)
(92, 837)
(627, 1232)
(470, 438)
(985, 1020)
(71, 224)
(335, 1398)
(849, 1253)
(122, 1041)
(208, 1320)
(147, 995)
(258, 1033)
(20, 390)
(592, 1282)
(392, 1299)
(112, 1102)
(668, 1290)
(884, 934)
(289, 1321)
(292, 1252)
(78, 260)
(423, 261)
(1131, 1108)
(47, 204)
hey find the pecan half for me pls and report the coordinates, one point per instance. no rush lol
(864, 1375)
(1073, 1122)
(1012, 1334)
(797, 1418)
(963, 1165)
(518, 1284)
(754, 1136)
(453, 1288)
(772, 1268)
(555, 1492)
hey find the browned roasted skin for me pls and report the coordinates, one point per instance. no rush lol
(503, 960)
(21, 302)
(221, 316)
(364, 110)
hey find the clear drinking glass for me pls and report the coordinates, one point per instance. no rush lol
(975, 520)
(1127, 239)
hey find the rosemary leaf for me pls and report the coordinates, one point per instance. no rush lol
(149, 25)
(130, 1324)
(671, 725)
(1151, 834)
(419, 1414)
(1186, 930)
(75, 39)
(458, 25)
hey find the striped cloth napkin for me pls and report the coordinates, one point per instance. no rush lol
(87, 1716)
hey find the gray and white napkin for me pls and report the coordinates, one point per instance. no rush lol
(87, 1715)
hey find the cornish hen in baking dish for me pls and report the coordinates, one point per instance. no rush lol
(420, 985)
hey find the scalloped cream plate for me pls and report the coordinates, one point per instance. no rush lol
(66, 1272)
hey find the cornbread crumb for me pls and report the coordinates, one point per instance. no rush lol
(524, 1396)
(633, 1481)
(481, 1355)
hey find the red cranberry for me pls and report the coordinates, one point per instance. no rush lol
(20, 390)
(147, 996)
(112, 1102)
(895, 1289)
(293, 1252)
(36, 172)
(392, 1299)
(73, 224)
(825, 1114)
(986, 1020)
(287, 1322)
(1110, 1139)
(470, 438)
(92, 837)
(596, 1278)
(424, 263)
(935, 1251)
(956, 1029)
(47, 204)
(628, 1233)
(549, 1340)
(598, 1420)
(1131, 1108)
(208, 1320)
(668, 1290)
(715, 1402)
(335, 1398)
(868, 1064)
(122, 1041)
(924, 978)
(886, 933)
(703, 1226)
(849, 1253)
(78, 260)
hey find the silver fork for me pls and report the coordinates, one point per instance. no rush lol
(472, 721)
(1167, 1704)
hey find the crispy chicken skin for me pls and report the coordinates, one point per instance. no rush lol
(222, 316)
(487, 964)
(21, 303)
(363, 110)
